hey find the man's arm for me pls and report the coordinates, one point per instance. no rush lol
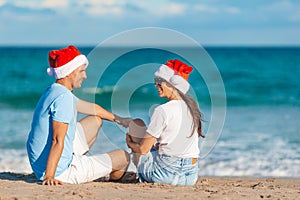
(88, 108)
(94, 109)
(59, 133)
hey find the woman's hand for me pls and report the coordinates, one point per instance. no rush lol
(128, 140)
(51, 181)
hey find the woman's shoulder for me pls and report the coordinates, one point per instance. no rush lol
(170, 105)
(173, 103)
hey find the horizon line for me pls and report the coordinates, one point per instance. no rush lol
(124, 46)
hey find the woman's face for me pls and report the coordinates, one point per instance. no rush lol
(164, 88)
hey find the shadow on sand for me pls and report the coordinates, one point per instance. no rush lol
(11, 176)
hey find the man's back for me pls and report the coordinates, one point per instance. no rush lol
(59, 104)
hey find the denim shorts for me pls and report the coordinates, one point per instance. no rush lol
(164, 169)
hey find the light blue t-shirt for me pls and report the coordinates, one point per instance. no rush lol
(59, 104)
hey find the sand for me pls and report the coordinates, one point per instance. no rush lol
(24, 186)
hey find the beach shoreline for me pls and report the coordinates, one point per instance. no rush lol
(25, 186)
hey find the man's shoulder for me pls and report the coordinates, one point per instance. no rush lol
(57, 89)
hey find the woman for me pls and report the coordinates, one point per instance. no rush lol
(175, 126)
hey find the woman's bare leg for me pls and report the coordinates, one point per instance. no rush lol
(120, 161)
(137, 131)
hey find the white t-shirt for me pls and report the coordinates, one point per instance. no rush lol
(172, 124)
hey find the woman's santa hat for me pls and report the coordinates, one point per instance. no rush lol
(64, 61)
(176, 73)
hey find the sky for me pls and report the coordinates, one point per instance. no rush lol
(209, 22)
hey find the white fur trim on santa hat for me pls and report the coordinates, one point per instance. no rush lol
(180, 83)
(68, 68)
(164, 72)
(177, 81)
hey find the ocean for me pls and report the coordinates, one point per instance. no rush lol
(260, 135)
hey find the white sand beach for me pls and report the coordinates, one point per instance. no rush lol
(24, 186)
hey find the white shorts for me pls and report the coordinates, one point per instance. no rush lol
(85, 168)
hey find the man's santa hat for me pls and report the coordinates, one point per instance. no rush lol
(64, 61)
(176, 73)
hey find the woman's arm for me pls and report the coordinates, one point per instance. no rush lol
(59, 133)
(142, 147)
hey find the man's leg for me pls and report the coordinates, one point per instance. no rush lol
(120, 158)
(91, 126)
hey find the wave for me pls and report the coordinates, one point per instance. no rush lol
(19, 101)
(103, 95)
(13, 160)
(97, 90)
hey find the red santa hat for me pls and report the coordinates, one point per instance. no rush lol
(176, 73)
(64, 61)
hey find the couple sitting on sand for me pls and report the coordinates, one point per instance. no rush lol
(165, 152)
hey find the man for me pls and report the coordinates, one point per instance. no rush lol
(57, 144)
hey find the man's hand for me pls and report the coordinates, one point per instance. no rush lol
(124, 121)
(51, 181)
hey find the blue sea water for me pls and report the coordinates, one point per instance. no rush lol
(260, 136)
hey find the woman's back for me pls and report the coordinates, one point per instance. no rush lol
(172, 124)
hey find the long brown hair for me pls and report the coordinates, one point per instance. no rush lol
(195, 112)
